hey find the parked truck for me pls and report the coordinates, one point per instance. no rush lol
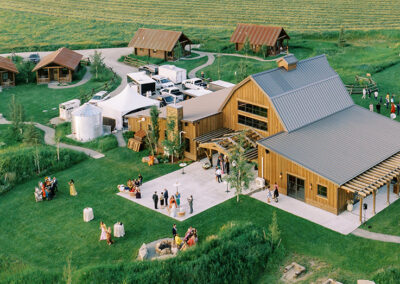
(146, 86)
(175, 74)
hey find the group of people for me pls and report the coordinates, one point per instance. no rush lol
(389, 103)
(272, 193)
(222, 167)
(173, 204)
(47, 189)
(190, 238)
(132, 186)
(105, 233)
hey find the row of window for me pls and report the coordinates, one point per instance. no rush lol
(255, 123)
(253, 109)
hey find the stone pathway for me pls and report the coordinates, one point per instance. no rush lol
(84, 80)
(376, 236)
(120, 139)
(49, 134)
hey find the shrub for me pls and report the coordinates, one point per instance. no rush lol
(238, 254)
(128, 134)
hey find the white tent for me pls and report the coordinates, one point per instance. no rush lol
(125, 102)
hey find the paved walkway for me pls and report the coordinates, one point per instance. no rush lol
(49, 134)
(210, 61)
(344, 223)
(120, 139)
(84, 80)
(376, 236)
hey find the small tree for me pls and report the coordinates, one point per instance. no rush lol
(31, 134)
(274, 234)
(264, 50)
(97, 64)
(17, 117)
(341, 39)
(178, 52)
(240, 174)
(246, 46)
(154, 133)
(25, 74)
(172, 143)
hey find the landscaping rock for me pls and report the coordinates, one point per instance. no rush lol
(292, 271)
(365, 282)
(142, 255)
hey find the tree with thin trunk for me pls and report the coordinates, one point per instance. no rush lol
(97, 64)
(17, 117)
(154, 133)
(240, 174)
(171, 143)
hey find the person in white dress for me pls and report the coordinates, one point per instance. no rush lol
(103, 228)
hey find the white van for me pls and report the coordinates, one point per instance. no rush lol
(162, 82)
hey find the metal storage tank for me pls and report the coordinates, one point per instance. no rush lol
(87, 122)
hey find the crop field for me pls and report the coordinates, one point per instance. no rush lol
(94, 23)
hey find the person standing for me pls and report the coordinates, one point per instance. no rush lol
(72, 190)
(378, 107)
(364, 95)
(108, 237)
(166, 197)
(218, 175)
(376, 95)
(174, 231)
(162, 200)
(155, 199)
(103, 228)
(387, 100)
(398, 108)
(178, 198)
(140, 178)
(371, 107)
(276, 192)
(392, 108)
(269, 194)
(227, 165)
(190, 201)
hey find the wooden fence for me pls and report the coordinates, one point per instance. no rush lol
(134, 61)
(85, 97)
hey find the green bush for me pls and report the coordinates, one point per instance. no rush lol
(127, 135)
(239, 254)
(21, 163)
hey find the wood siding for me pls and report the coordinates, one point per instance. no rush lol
(275, 164)
(249, 92)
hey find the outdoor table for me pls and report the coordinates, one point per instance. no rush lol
(88, 214)
(119, 230)
(183, 165)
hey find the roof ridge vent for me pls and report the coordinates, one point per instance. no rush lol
(289, 62)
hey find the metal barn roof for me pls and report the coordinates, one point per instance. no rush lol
(340, 146)
(308, 93)
(257, 34)
(156, 39)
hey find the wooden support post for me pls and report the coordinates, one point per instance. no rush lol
(398, 185)
(361, 207)
(374, 197)
(388, 192)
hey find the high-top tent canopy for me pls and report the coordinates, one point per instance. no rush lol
(127, 101)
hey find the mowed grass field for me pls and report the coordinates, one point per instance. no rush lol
(91, 23)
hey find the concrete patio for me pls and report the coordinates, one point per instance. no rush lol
(196, 181)
(344, 223)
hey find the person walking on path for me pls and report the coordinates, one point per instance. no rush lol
(155, 199)
(218, 175)
(190, 201)
(174, 231)
(166, 197)
(276, 192)
(72, 190)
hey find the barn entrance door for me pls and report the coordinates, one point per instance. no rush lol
(295, 187)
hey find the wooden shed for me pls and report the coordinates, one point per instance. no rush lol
(275, 39)
(163, 44)
(7, 72)
(58, 66)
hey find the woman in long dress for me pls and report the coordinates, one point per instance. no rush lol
(72, 190)
(103, 228)
(172, 206)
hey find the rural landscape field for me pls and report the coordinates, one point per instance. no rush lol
(246, 241)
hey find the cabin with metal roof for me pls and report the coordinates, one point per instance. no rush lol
(163, 44)
(58, 66)
(7, 72)
(275, 39)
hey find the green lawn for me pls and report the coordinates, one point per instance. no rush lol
(386, 222)
(52, 231)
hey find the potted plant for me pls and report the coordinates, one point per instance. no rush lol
(350, 205)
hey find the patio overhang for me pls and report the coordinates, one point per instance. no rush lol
(223, 140)
(371, 180)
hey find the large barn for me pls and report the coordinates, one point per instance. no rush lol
(302, 128)
(275, 39)
(163, 44)
(7, 72)
(58, 66)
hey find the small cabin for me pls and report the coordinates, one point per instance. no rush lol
(274, 39)
(7, 72)
(163, 44)
(58, 66)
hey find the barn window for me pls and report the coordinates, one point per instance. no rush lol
(253, 109)
(322, 191)
(255, 123)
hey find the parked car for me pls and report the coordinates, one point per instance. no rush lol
(166, 100)
(162, 82)
(150, 69)
(34, 57)
(174, 91)
(99, 97)
(194, 84)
